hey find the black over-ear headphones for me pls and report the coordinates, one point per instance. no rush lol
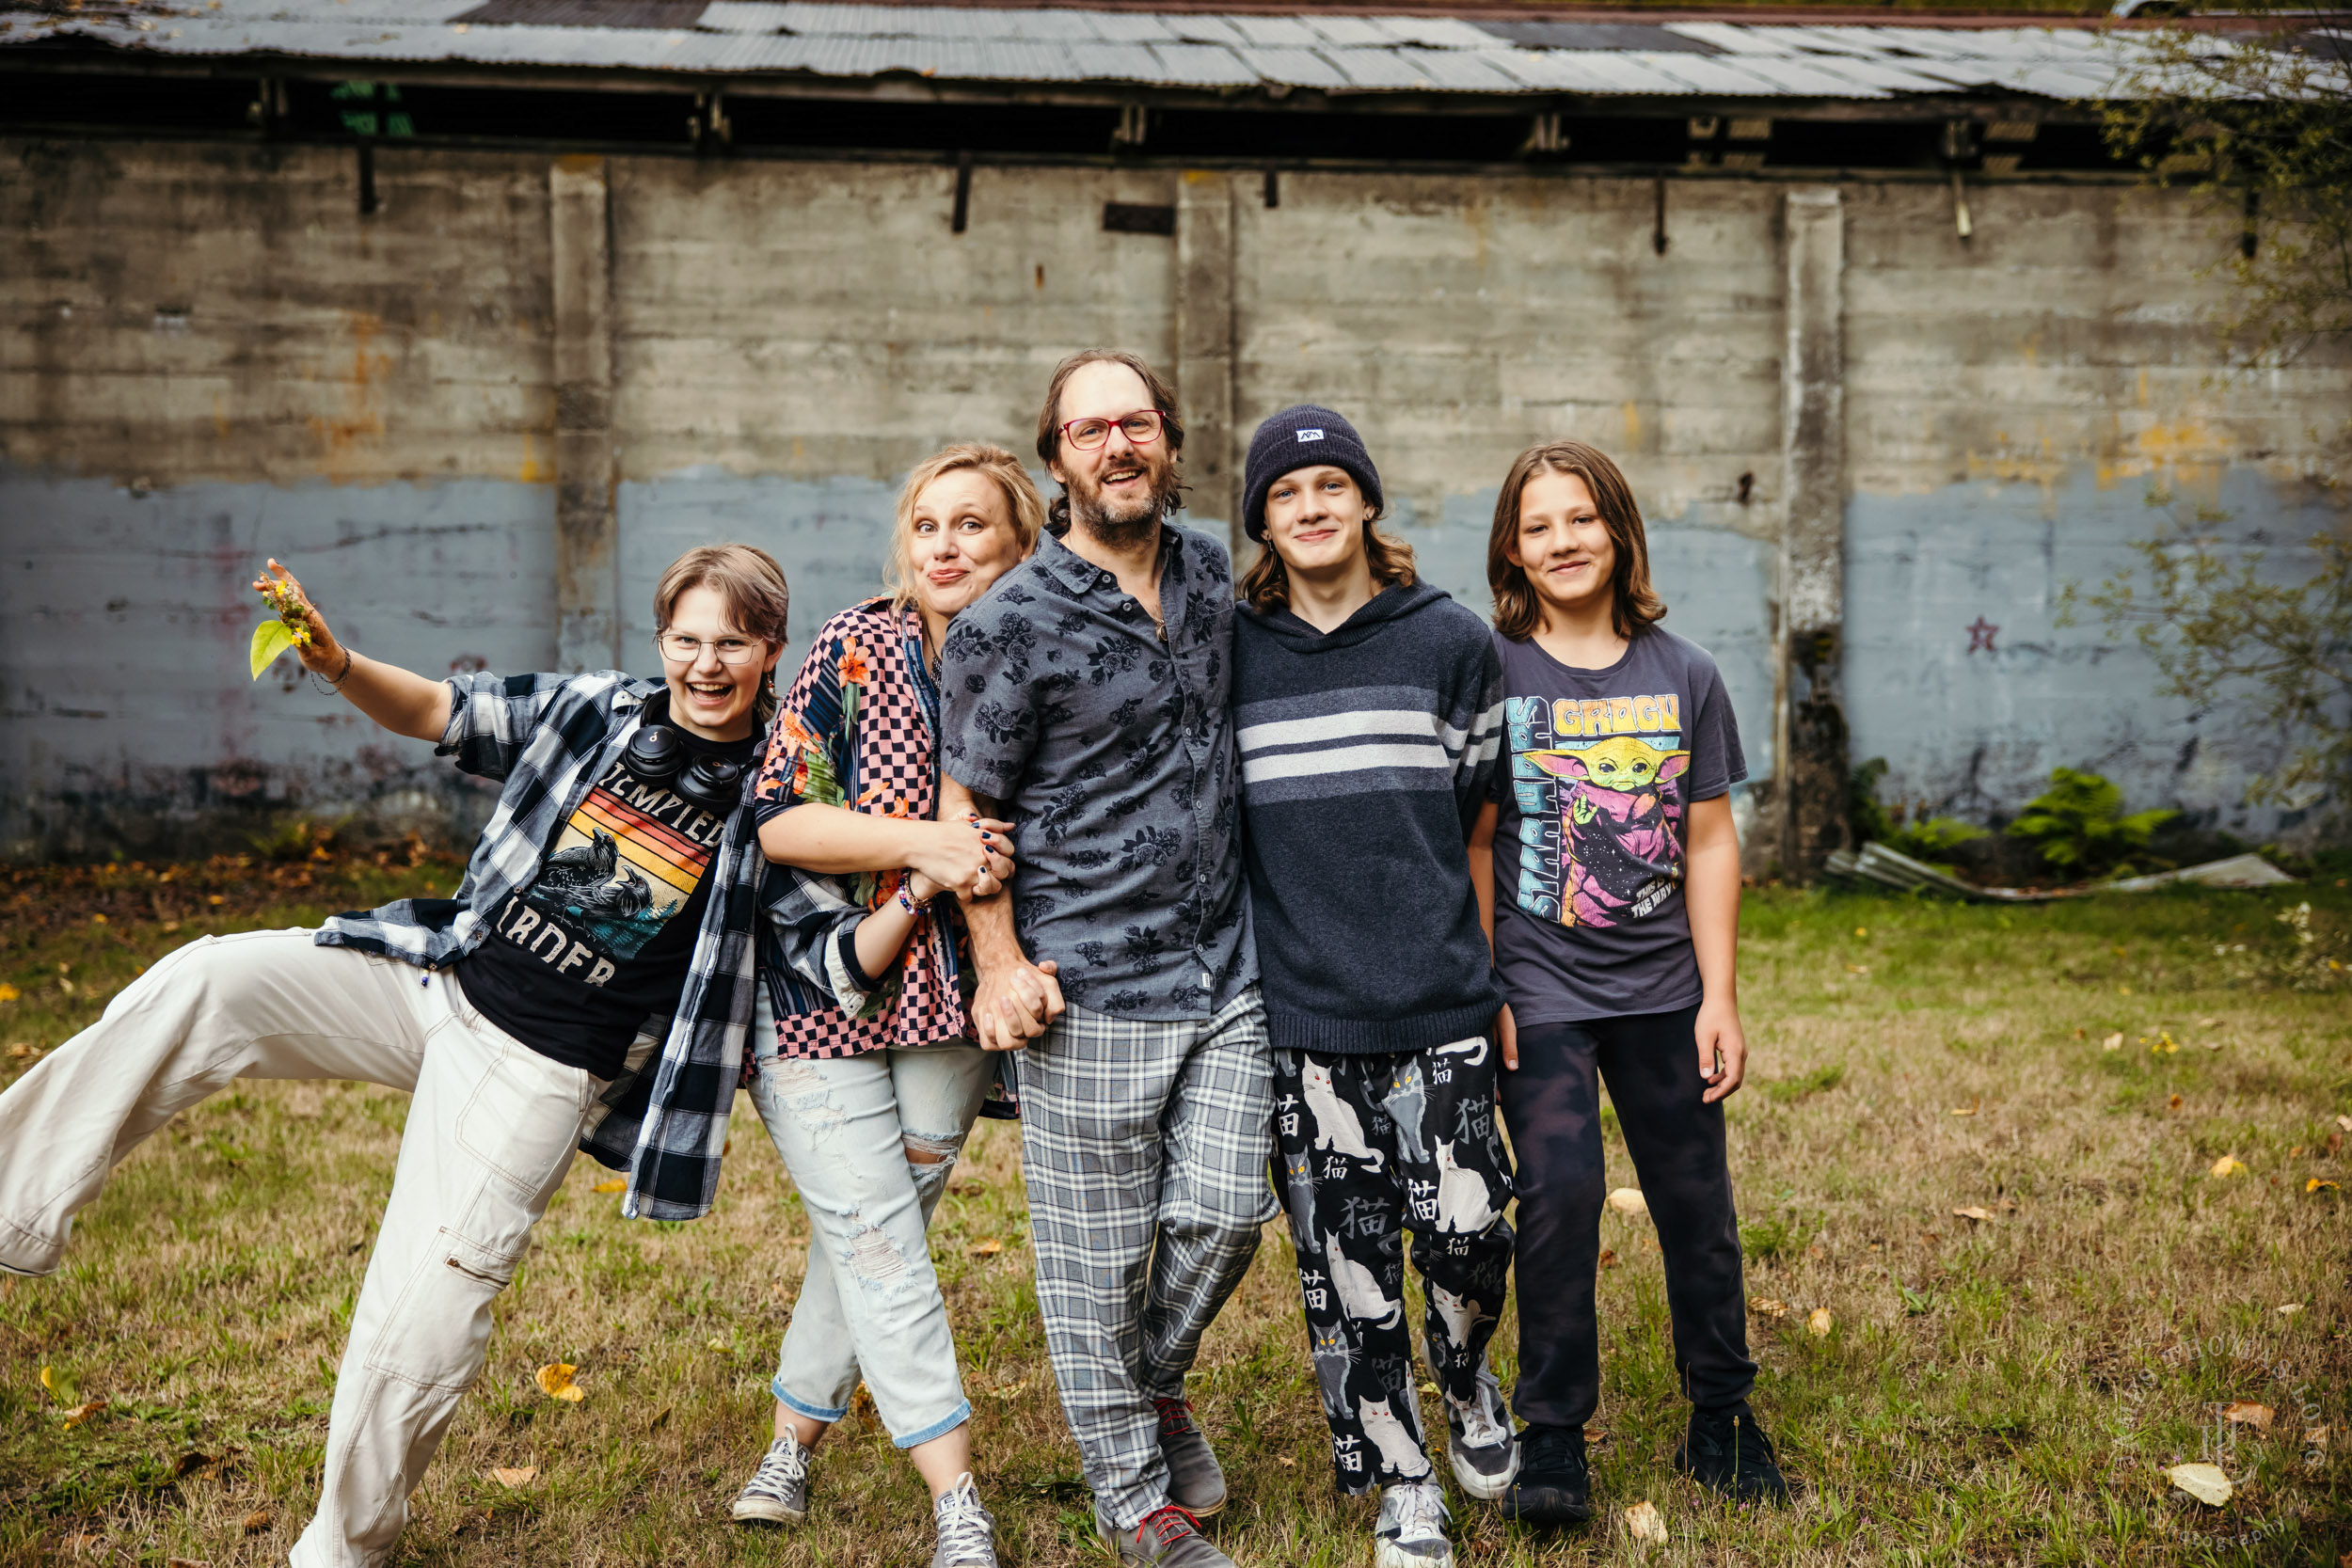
(657, 753)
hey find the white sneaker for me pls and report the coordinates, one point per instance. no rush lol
(1479, 1444)
(1411, 1531)
(967, 1535)
(777, 1494)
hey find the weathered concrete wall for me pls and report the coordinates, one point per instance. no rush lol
(207, 357)
(2012, 403)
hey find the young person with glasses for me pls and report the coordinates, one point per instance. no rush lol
(1363, 695)
(1088, 694)
(871, 1081)
(587, 988)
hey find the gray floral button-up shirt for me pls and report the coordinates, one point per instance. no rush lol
(1115, 752)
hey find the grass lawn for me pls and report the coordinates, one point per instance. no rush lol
(1997, 1390)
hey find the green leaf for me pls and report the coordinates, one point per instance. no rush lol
(270, 638)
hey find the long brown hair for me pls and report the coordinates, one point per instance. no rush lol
(759, 601)
(1049, 417)
(1021, 503)
(1266, 585)
(1518, 614)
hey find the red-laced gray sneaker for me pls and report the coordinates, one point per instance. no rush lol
(1169, 1537)
(1195, 1483)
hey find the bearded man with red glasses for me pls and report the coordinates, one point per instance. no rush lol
(1087, 698)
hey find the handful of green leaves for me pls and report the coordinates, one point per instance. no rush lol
(289, 626)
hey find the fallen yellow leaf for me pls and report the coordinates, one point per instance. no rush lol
(83, 1411)
(2316, 1185)
(1862, 930)
(2229, 1164)
(1767, 1307)
(2289, 1309)
(2246, 1413)
(519, 1475)
(2315, 1437)
(2174, 1103)
(2206, 1482)
(1821, 1322)
(257, 1521)
(49, 1379)
(2344, 1124)
(8, 993)
(618, 1184)
(555, 1381)
(1644, 1520)
(1972, 1213)
(989, 1249)
(1608, 1258)
(1968, 1110)
(2113, 1042)
(1286, 1461)
(1630, 1202)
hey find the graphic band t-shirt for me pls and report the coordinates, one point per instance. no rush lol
(1598, 771)
(574, 964)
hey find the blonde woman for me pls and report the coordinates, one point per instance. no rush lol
(873, 1079)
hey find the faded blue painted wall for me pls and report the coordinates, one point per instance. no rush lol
(125, 620)
(124, 617)
(1957, 673)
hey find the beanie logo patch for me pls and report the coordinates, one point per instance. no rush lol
(1310, 434)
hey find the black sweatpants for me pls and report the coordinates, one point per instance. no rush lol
(1552, 1105)
(1368, 1147)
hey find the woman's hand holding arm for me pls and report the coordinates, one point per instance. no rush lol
(1711, 893)
(834, 841)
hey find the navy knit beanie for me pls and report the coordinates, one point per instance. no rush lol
(1302, 436)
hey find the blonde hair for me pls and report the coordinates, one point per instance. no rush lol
(759, 601)
(1026, 507)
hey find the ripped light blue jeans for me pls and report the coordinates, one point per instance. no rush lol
(870, 1307)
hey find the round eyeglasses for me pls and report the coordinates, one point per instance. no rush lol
(679, 648)
(1142, 428)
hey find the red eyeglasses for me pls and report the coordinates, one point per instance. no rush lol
(1142, 428)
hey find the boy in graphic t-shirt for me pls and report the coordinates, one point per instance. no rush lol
(1614, 912)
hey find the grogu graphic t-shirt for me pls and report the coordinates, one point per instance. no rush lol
(1598, 771)
(600, 941)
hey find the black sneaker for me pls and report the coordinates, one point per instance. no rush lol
(1552, 1487)
(1727, 1450)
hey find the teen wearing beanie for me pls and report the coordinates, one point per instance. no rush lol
(1614, 912)
(1366, 705)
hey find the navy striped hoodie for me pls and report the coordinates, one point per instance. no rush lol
(1365, 757)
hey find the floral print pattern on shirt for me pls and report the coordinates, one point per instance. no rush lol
(855, 730)
(1112, 742)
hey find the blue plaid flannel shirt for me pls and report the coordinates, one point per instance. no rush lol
(549, 738)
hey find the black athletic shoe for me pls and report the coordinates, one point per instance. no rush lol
(1728, 1451)
(1552, 1487)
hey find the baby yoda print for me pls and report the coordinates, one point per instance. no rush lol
(1619, 823)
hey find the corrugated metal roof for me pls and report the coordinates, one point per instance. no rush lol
(1371, 52)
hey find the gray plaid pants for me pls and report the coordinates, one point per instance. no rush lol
(1144, 1146)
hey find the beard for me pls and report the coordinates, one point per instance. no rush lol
(1123, 524)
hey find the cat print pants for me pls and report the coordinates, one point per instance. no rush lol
(1368, 1147)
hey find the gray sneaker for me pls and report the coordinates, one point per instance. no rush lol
(1195, 1483)
(1168, 1538)
(1411, 1531)
(777, 1493)
(968, 1534)
(1479, 1444)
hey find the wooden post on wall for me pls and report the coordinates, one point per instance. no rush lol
(1204, 350)
(587, 547)
(1812, 754)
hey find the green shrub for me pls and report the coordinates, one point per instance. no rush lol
(1926, 839)
(2079, 823)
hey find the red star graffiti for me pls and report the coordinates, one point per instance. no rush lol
(1981, 636)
